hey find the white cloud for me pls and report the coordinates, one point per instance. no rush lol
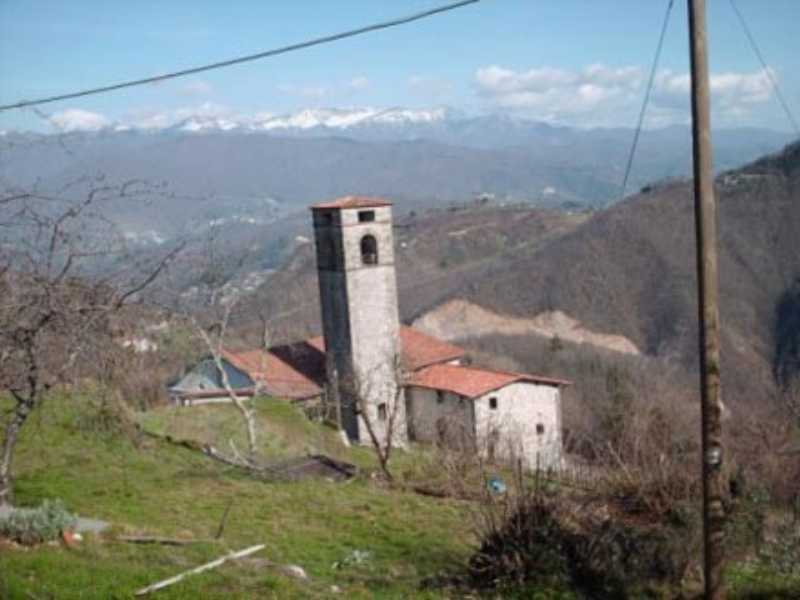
(158, 119)
(197, 87)
(206, 109)
(555, 94)
(358, 84)
(734, 95)
(603, 95)
(76, 119)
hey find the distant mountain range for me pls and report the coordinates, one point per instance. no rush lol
(440, 124)
(260, 168)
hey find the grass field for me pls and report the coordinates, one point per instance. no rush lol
(159, 488)
(144, 485)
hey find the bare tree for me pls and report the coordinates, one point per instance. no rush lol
(213, 308)
(214, 339)
(63, 277)
(379, 406)
(209, 316)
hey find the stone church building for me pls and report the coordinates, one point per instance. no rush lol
(381, 375)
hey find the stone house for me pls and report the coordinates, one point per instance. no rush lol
(498, 413)
(371, 368)
(293, 371)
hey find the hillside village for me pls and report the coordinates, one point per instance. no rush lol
(442, 399)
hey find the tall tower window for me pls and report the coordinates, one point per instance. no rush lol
(369, 250)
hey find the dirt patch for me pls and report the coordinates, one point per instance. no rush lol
(316, 466)
(459, 319)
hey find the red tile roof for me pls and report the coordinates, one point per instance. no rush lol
(352, 202)
(472, 382)
(420, 350)
(295, 371)
(416, 348)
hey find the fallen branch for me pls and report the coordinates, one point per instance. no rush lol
(206, 567)
(152, 539)
(240, 463)
(212, 452)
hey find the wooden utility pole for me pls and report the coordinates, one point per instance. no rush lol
(708, 295)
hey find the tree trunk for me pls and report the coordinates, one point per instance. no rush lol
(247, 413)
(9, 445)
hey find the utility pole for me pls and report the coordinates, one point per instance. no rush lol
(708, 296)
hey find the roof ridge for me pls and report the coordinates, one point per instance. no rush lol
(352, 201)
(493, 371)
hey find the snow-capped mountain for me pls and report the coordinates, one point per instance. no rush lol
(309, 119)
(420, 154)
(199, 124)
(338, 118)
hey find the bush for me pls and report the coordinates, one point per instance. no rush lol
(106, 415)
(529, 547)
(548, 540)
(36, 525)
(782, 553)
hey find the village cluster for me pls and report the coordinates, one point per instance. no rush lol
(382, 378)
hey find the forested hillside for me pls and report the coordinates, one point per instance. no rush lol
(628, 270)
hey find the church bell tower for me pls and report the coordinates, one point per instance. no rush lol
(358, 297)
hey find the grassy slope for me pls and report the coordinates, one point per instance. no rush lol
(166, 490)
(162, 489)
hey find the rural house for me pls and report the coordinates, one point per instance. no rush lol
(370, 367)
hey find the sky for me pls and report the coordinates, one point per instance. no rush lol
(575, 62)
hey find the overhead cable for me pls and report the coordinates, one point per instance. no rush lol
(242, 59)
(767, 70)
(646, 100)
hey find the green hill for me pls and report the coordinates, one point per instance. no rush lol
(144, 485)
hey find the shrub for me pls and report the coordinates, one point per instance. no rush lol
(36, 525)
(528, 547)
(558, 539)
(782, 553)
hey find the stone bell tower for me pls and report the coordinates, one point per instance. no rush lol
(358, 296)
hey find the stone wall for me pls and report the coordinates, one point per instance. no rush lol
(360, 317)
(525, 424)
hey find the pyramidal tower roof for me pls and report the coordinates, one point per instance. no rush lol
(352, 202)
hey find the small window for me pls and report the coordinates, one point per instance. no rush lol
(369, 250)
(382, 411)
(366, 216)
(327, 218)
(540, 429)
(439, 396)
(493, 403)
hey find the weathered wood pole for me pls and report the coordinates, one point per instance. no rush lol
(708, 296)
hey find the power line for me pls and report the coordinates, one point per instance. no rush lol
(767, 71)
(235, 61)
(646, 98)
